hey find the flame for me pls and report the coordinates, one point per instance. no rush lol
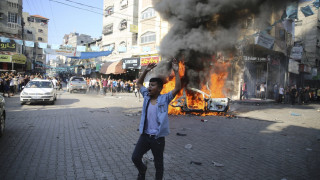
(215, 88)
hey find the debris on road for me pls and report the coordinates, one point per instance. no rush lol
(181, 134)
(217, 164)
(295, 114)
(188, 146)
(197, 163)
(204, 120)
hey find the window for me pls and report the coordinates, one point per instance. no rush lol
(40, 39)
(109, 47)
(28, 32)
(123, 25)
(148, 37)
(109, 11)
(148, 13)
(122, 47)
(81, 41)
(1, 15)
(12, 17)
(124, 3)
(30, 19)
(108, 29)
(40, 30)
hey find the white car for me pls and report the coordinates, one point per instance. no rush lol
(38, 91)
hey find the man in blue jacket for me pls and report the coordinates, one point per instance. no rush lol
(154, 124)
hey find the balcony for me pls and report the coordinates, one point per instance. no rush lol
(13, 25)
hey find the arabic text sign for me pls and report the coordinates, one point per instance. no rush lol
(11, 46)
(5, 58)
(148, 60)
(64, 52)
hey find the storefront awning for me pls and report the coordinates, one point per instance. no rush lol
(115, 68)
(104, 67)
(19, 59)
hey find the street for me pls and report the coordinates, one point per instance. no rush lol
(87, 136)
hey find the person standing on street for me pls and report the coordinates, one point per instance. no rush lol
(293, 94)
(281, 92)
(154, 124)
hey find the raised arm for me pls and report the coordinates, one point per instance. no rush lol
(177, 87)
(143, 75)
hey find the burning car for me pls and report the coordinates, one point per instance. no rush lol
(210, 104)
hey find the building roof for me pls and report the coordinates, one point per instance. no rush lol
(38, 16)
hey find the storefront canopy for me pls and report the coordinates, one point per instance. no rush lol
(115, 68)
(19, 59)
(104, 67)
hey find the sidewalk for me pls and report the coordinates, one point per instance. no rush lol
(254, 101)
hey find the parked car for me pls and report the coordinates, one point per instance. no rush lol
(2, 115)
(77, 84)
(38, 91)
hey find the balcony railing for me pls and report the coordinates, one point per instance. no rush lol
(13, 25)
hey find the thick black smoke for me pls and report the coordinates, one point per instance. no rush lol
(195, 36)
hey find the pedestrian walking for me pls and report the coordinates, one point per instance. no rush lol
(154, 124)
(276, 92)
(281, 92)
(262, 91)
(293, 94)
(244, 91)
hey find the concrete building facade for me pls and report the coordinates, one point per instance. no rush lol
(36, 30)
(119, 17)
(76, 39)
(10, 27)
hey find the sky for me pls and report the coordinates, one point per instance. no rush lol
(64, 19)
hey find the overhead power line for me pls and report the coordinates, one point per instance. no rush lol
(103, 14)
(76, 7)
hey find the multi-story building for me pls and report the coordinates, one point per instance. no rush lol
(118, 17)
(76, 39)
(10, 29)
(152, 28)
(307, 39)
(36, 30)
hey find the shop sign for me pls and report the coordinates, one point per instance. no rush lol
(296, 52)
(258, 59)
(133, 28)
(314, 71)
(145, 60)
(131, 63)
(264, 40)
(10, 46)
(5, 58)
(19, 59)
(293, 66)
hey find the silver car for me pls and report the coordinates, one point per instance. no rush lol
(77, 84)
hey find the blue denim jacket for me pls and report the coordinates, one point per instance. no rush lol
(163, 101)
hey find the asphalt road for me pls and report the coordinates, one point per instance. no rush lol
(93, 136)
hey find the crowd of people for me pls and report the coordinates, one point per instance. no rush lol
(288, 95)
(108, 85)
(11, 83)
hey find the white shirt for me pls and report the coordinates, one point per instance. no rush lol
(54, 81)
(281, 90)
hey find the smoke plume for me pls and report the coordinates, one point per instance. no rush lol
(201, 28)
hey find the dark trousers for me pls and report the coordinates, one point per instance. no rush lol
(144, 144)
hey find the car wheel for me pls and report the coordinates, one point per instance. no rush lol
(52, 102)
(22, 103)
(85, 91)
(2, 125)
(71, 91)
